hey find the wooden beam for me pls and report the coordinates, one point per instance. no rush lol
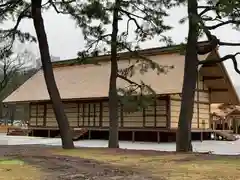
(219, 90)
(205, 78)
(209, 65)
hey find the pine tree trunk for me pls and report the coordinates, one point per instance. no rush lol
(189, 83)
(1, 110)
(65, 132)
(113, 96)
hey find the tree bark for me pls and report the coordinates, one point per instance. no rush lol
(12, 112)
(189, 83)
(113, 96)
(65, 132)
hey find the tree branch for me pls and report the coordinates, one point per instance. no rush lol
(128, 80)
(206, 9)
(229, 56)
(228, 44)
(222, 24)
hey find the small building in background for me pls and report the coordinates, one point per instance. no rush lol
(226, 117)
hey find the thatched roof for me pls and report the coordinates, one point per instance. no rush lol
(86, 81)
(92, 81)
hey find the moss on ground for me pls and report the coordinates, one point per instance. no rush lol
(15, 169)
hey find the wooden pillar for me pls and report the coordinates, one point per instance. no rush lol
(211, 120)
(237, 126)
(45, 115)
(89, 114)
(89, 134)
(223, 123)
(198, 80)
(94, 114)
(49, 133)
(203, 128)
(168, 108)
(121, 115)
(100, 114)
(37, 106)
(214, 126)
(78, 114)
(83, 114)
(133, 136)
(158, 137)
(29, 115)
(155, 113)
(26, 113)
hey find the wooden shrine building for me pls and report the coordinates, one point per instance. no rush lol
(226, 117)
(84, 91)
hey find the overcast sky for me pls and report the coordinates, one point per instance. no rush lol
(65, 40)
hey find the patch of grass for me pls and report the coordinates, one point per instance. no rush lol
(11, 162)
(165, 165)
(15, 169)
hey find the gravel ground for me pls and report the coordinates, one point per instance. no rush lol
(56, 167)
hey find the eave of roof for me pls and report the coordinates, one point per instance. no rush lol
(125, 55)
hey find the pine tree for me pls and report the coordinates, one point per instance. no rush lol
(21, 9)
(147, 17)
(226, 12)
(189, 82)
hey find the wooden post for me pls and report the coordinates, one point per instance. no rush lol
(94, 114)
(133, 136)
(89, 134)
(45, 115)
(237, 125)
(78, 114)
(89, 114)
(158, 137)
(203, 128)
(37, 114)
(49, 133)
(83, 114)
(100, 114)
(197, 87)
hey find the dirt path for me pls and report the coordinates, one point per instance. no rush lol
(57, 167)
